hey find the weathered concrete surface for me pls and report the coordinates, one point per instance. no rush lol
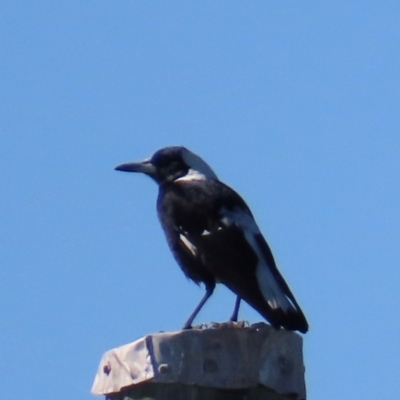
(226, 357)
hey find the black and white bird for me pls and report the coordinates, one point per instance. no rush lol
(214, 237)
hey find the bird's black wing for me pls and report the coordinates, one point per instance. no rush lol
(216, 236)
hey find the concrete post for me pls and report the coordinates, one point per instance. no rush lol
(227, 361)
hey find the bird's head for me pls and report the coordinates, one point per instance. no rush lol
(171, 164)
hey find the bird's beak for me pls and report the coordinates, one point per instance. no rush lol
(145, 167)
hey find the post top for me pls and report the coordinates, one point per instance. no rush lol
(225, 356)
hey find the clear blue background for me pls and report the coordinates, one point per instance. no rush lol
(294, 104)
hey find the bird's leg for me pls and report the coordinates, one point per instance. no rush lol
(209, 292)
(235, 313)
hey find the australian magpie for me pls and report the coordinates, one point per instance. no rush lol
(214, 237)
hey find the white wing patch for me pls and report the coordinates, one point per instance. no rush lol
(190, 246)
(240, 218)
(199, 169)
(269, 287)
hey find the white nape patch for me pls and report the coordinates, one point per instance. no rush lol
(190, 246)
(198, 168)
(268, 285)
(192, 175)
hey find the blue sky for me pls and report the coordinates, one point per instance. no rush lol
(294, 104)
